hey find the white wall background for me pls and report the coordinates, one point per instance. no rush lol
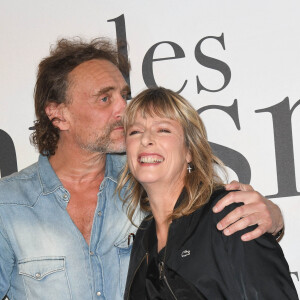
(262, 49)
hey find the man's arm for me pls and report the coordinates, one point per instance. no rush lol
(6, 263)
(256, 210)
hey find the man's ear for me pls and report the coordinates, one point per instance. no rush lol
(56, 114)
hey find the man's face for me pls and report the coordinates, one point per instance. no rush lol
(96, 99)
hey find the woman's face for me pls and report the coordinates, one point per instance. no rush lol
(156, 151)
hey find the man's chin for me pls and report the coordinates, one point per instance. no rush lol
(117, 142)
(116, 147)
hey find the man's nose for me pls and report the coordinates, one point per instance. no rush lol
(120, 106)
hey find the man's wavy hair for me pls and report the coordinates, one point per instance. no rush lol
(204, 178)
(52, 81)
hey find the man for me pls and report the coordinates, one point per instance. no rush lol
(64, 233)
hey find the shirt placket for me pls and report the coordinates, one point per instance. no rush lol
(64, 197)
(95, 259)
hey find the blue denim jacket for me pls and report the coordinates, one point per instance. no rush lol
(44, 256)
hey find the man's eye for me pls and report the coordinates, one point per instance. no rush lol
(104, 99)
(126, 96)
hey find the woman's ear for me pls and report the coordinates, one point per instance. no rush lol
(56, 114)
(188, 157)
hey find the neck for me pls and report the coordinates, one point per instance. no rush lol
(162, 202)
(162, 199)
(77, 166)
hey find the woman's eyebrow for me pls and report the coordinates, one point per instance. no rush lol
(164, 122)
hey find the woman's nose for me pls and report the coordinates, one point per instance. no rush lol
(147, 139)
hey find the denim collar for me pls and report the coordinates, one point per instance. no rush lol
(114, 166)
(48, 179)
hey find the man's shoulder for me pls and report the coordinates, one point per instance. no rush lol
(24, 175)
(16, 187)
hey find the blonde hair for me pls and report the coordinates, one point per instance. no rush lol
(200, 183)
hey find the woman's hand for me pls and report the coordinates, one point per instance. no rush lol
(256, 210)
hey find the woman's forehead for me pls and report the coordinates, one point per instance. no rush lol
(140, 120)
(151, 112)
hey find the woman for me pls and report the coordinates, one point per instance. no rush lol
(178, 253)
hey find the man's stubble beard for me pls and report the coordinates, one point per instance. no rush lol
(105, 144)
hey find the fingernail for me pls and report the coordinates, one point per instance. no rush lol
(244, 238)
(215, 209)
(219, 226)
(226, 231)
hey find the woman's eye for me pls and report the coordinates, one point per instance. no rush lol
(133, 132)
(164, 130)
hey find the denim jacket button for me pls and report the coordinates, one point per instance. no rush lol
(98, 293)
(38, 275)
(99, 213)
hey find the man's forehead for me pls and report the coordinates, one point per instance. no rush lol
(95, 68)
(95, 75)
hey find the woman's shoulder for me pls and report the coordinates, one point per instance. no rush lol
(205, 213)
(217, 195)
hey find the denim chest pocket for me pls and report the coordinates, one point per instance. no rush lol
(124, 249)
(45, 278)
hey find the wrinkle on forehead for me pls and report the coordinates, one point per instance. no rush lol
(94, 75)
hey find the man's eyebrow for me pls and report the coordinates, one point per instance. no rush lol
(111, 88)
(126, 89)
(105, 90)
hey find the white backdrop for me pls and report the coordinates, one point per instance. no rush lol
(257, 42)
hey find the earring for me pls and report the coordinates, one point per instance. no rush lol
(189, 168)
